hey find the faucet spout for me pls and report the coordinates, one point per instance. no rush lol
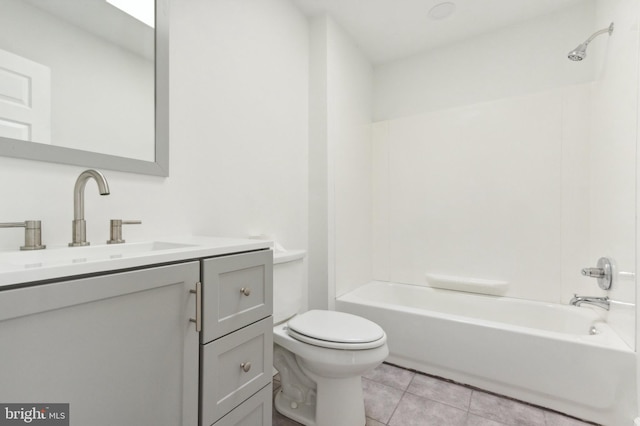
(600, 302)
(79, 225)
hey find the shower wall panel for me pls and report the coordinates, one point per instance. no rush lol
(488, 191)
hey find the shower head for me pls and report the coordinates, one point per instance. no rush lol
(580, 52)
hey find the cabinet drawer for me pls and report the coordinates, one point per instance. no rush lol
(225, 384)
(237, 291)
(256, 411)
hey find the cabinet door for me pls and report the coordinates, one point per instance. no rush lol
(237, 291)
(119, 348)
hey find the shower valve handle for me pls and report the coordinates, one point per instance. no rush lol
(593, 272)
(603, 272)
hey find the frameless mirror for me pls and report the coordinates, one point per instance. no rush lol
(84, 82)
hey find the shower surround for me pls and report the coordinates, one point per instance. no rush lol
(492, 172)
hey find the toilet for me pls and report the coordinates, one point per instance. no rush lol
(320, 355)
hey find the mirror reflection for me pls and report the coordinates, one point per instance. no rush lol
(78, 74)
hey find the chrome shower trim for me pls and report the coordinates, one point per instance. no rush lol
(580, 52)
(600, 302)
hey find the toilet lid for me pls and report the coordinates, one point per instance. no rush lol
(336, 329)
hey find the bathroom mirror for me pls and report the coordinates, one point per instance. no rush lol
(82, 82)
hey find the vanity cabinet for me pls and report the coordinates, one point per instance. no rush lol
(118, 348)
(121, 347)
(236, 352)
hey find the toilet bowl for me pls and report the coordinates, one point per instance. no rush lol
(320, 355)
(321, 371)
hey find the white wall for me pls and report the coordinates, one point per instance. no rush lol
(350, 80)
(239, 99)
(321, 268)
(102, 96)
(340, 168)
(239, 96)
(525, 58)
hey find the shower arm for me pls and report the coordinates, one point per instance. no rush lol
(609, 30)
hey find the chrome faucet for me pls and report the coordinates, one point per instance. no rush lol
(600, 302)
(79, 225)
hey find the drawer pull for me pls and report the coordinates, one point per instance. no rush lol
(246, 366)
(245, 291)
(198, 318)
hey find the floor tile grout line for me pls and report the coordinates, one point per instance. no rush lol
(439, 402)
(470, 399)
(406, 391)
(395, 408)
(415, 374)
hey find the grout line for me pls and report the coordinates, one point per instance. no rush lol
(396, 408)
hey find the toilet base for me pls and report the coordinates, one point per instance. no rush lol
(302, 413)
(339, 402)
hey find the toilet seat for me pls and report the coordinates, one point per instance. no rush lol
(336, 330)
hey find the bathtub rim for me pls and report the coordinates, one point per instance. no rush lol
(607, 336)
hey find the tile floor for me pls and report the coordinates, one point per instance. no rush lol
(394, 396)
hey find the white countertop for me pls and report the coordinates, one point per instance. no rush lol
(21, 267)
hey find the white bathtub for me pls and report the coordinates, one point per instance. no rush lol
(541, 353)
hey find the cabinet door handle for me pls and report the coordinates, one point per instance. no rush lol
(246, 291)
(198, 318)
(246, 366)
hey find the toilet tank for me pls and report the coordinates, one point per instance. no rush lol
(288, 283)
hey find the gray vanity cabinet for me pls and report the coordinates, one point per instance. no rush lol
(122, 348)
(119, 348)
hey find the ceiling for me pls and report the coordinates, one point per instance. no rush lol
(387, 30)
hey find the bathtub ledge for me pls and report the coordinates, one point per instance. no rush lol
(469, 285)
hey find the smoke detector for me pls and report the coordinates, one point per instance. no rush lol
(442, 10)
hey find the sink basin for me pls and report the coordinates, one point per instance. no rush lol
(73, 255)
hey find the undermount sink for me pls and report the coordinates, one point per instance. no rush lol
(72, 255)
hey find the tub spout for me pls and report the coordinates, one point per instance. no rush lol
(600, 302)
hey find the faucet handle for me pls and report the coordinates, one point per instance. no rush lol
(603, 272)
(116, 229)
(32, 233)
(593, 272)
